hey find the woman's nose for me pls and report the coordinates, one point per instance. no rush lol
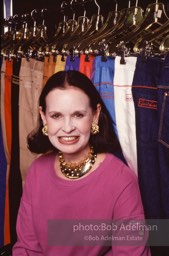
(68, 126)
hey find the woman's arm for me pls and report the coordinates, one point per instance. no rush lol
(27, 243)
(129, 240)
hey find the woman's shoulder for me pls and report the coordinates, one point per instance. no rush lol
(41, 163)
(113, 160)
(43, 158)
(118, 168)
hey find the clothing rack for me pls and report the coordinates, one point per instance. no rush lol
(123, 32)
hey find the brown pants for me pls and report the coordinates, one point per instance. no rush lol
(31, 80)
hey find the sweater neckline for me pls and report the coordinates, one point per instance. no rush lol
(99, 169)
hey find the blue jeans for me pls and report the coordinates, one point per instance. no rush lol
(163, 135)
(145, 96)
(102, 77)
(3, 166)
(72, 64)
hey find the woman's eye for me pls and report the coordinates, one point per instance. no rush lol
(56, 116)
(79, 115)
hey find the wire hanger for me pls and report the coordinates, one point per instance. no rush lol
(98, 6)
(71, 25)
(34, 18)
(62, 26)
(98, 15)
(154, 17)
(91, 26)
(9, 34)
(156, 38)
(71, 7)
(63, 6)
(132, 21)
(128, 19)
(164, 46)
(80, 28)
(112, 19)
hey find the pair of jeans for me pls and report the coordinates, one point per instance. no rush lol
(163, 135)
(102, 77)
(3, 166)
(145, 96)
(2, 103)
(72, 63)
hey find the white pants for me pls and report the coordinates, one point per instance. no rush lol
(124, 109)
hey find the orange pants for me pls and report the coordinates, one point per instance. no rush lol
(8, 129)
(86, 66)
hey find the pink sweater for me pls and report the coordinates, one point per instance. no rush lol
(109, 193)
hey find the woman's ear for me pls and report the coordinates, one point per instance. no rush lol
(97, 113)
(42, 114)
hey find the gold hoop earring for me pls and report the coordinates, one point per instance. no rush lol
(45, 130)
(94, 128)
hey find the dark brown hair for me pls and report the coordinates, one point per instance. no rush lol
(104, 141)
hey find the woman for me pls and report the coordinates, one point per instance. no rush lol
(78, 180)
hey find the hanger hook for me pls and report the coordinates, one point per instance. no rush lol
(62, 4)
(98, 12)
(33, 14)
(71, 4)
(129, 4)
(136, 4)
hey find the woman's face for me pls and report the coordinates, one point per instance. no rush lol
(69, 117)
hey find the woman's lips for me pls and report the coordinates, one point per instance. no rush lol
(68, 139)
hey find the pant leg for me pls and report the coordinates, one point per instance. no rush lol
(15, 180)
(86, 65)
(163, 135)
(125, 110)
(26, 121)
(49, 68)
(3, 125)
(60, 64)
(102, 77)
(3, 166)
(8, 130)
(144, 90)
(72, 65)
(37, 68)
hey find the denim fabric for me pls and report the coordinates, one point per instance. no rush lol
(102, 77)
(72, 63)
(163, 135)
(144, 90)
(2, 103)
(3, 166)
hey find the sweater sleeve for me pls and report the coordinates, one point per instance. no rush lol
(27, 243)
(129, 213)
